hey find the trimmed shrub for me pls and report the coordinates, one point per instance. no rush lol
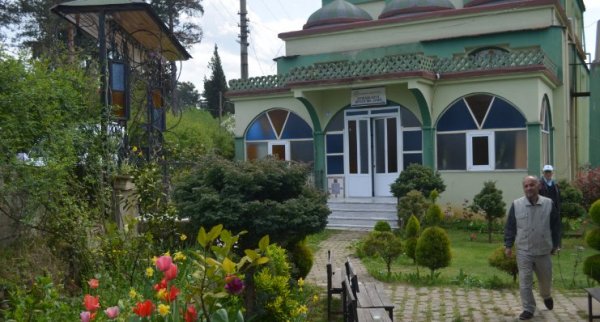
(302, 259)
(592, 238)
(489, 200)
(588, 181)
(591, 267)
(571, 200)
(433, 249)
(410, 246)
(595, 212)
(414, 203)
(382, 226)
(417, 177)
(413, 227)
(508, 265)
(433, 216)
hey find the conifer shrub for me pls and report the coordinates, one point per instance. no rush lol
(508, 265)
(413, 203)
(489, 200)
(302, 259)
(591, 265)
(571, 200)
(433, 216)
(417, 177)
(382, 226)
(411, 232)
(433, 249)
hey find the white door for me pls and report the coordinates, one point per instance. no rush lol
(372, 141)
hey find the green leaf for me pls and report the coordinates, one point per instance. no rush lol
(263, 243)
(215, 232)
(228, 266)
(262, 260)
(212, 262)
(219, 316)
(202, 238)
(239, 316)
(252, 254)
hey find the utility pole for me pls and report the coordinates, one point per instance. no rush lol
(244, 38)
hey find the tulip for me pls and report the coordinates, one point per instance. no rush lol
(85, 316)
(172, 294)
(163, 263)
(144, 309)
(171, 273)
(112, 312)
(91, 303)
(190, 314)
(234, 284)
(93, 283)
(161, 285)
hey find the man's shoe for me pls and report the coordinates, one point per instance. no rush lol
(526, 315)
(549, 303)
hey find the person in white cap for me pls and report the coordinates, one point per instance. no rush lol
(549, 187)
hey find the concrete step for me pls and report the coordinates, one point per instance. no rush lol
(361, 213)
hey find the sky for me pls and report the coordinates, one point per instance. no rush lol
(268, 18)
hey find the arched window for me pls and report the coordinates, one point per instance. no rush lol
(481, 132)
(280, 133)
(545, 120)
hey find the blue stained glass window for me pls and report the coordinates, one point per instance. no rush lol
(412, 158)
(457, 118)
(296, 128)
(302, 151)
(335, 143)
(412, 140)
(503, 116)
(384, 111)
(336, 123)
(335, 164)
(117, 77)
(260, 130)
(408, 119)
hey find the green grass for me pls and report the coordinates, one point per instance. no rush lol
(469, 266)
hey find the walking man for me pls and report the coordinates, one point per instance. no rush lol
(549, 187)
(533, 226)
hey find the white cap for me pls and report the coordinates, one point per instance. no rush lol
(548, 167)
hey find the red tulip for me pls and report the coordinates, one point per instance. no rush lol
(163, 263)
(91, 303)
(161, 285)
(190, 314)
(93, 283)
(144, 309)
(171, 273)
(172, 294)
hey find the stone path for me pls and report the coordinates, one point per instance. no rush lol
(450, 304)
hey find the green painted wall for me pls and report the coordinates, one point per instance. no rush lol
(594, 128)
(545, 38)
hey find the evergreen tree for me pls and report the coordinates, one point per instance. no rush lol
(188, 95)
(489, 200)
(216, 86)
(170, 12)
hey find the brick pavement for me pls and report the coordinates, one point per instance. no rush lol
(450, 304)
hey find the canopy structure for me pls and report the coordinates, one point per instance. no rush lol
(134, 18)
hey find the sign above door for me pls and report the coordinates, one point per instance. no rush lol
(368, 97)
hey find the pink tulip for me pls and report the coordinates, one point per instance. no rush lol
(85, 316)
(93, 283)
(112, 312)
(163, 263)
(171, 273)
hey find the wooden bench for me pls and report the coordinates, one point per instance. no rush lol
(354, 313)
(593, 292)
(368, 295)
(334, 285)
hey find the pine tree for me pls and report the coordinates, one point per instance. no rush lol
(216, 87)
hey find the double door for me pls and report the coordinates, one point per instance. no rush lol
(372, 145)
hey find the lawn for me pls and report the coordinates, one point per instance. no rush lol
(469, 266)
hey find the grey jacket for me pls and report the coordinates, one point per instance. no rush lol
(534, 227)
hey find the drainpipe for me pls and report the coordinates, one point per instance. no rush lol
(594, 129)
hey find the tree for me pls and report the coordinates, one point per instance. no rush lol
(263, 197)
(188, 95)
(170, 11)
(216, 87)
(417, 177)
(489, 200)
(433, 249)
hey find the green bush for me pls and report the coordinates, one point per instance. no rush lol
(592, 238)
(433, 249)
(413, 203)
(571, 200)
(489, 200)
(499, 260)
(417, 177)
(265, 197)
(595, 212)
(433, 216)
(591, 267)
(413, 227)
(410, 246)
(301, 258)
(382, 226)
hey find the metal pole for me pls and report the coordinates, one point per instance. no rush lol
(244, 38)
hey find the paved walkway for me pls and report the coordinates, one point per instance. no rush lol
(450, 304)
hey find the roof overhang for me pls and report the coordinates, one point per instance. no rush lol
(135, 17)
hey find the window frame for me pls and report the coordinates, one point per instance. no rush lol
(491, 150)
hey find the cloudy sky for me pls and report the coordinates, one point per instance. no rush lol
(268, 18)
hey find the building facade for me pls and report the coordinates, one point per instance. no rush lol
(475, 89)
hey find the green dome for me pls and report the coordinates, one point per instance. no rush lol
(472, 3)
(337, 12)
(402, 7)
